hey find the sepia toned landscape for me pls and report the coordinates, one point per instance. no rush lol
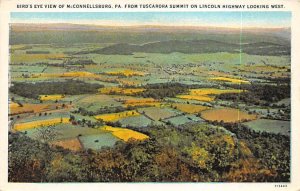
(149, 103)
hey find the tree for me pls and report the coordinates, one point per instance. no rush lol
(72, 118)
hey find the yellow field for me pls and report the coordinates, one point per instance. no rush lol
(127, 73)
(51, 97)
(155, 104)
(17, 46)
(117, 116)
(15, 108)
(34, 57)
(79, 74)
(71, 144)
(142, 102)
(189, 108)
(228, 115)
(197, 97)
(125, 134)
(213, 91)
(13, 105)
(207, 94)
(125, 91)
(232, 80)
(36, 124)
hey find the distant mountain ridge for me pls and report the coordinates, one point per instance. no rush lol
(136, 28)
(198, 46)
(142, 35)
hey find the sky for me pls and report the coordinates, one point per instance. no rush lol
(214, 19)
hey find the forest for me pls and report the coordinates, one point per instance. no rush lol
(168, 157)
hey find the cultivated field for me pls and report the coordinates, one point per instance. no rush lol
(117, 116)
(207, 94)
(125, 134)
(189, 108)
(270, 126)
(227, 115)
(41, 123)
(71, 144)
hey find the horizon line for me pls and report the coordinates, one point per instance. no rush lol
(152, 25)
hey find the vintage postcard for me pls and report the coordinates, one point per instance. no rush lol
(160, 95)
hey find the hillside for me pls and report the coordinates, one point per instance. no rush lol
(197, 46)
(70, 34)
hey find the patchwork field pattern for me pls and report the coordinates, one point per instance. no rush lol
(95, 103)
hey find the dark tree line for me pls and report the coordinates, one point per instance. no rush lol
(37, 52)
(162, 90)
(70, 87)
(259, 94)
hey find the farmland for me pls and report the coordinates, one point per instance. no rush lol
(207, 94)
(71, 144)
(156, 113)
(16, 108)
(125, 134)
(173, 104)
(50, 97)
(227, 115)
(232, 80)
(189, 108)
(36, 124)
(116, 116)
(271, 126)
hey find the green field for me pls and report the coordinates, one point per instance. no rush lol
(63, 131)
(156, 113)
(97, 141)
(95, 102)
(183, 119)
(136, 121)
(36, 117)
(270, 126)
